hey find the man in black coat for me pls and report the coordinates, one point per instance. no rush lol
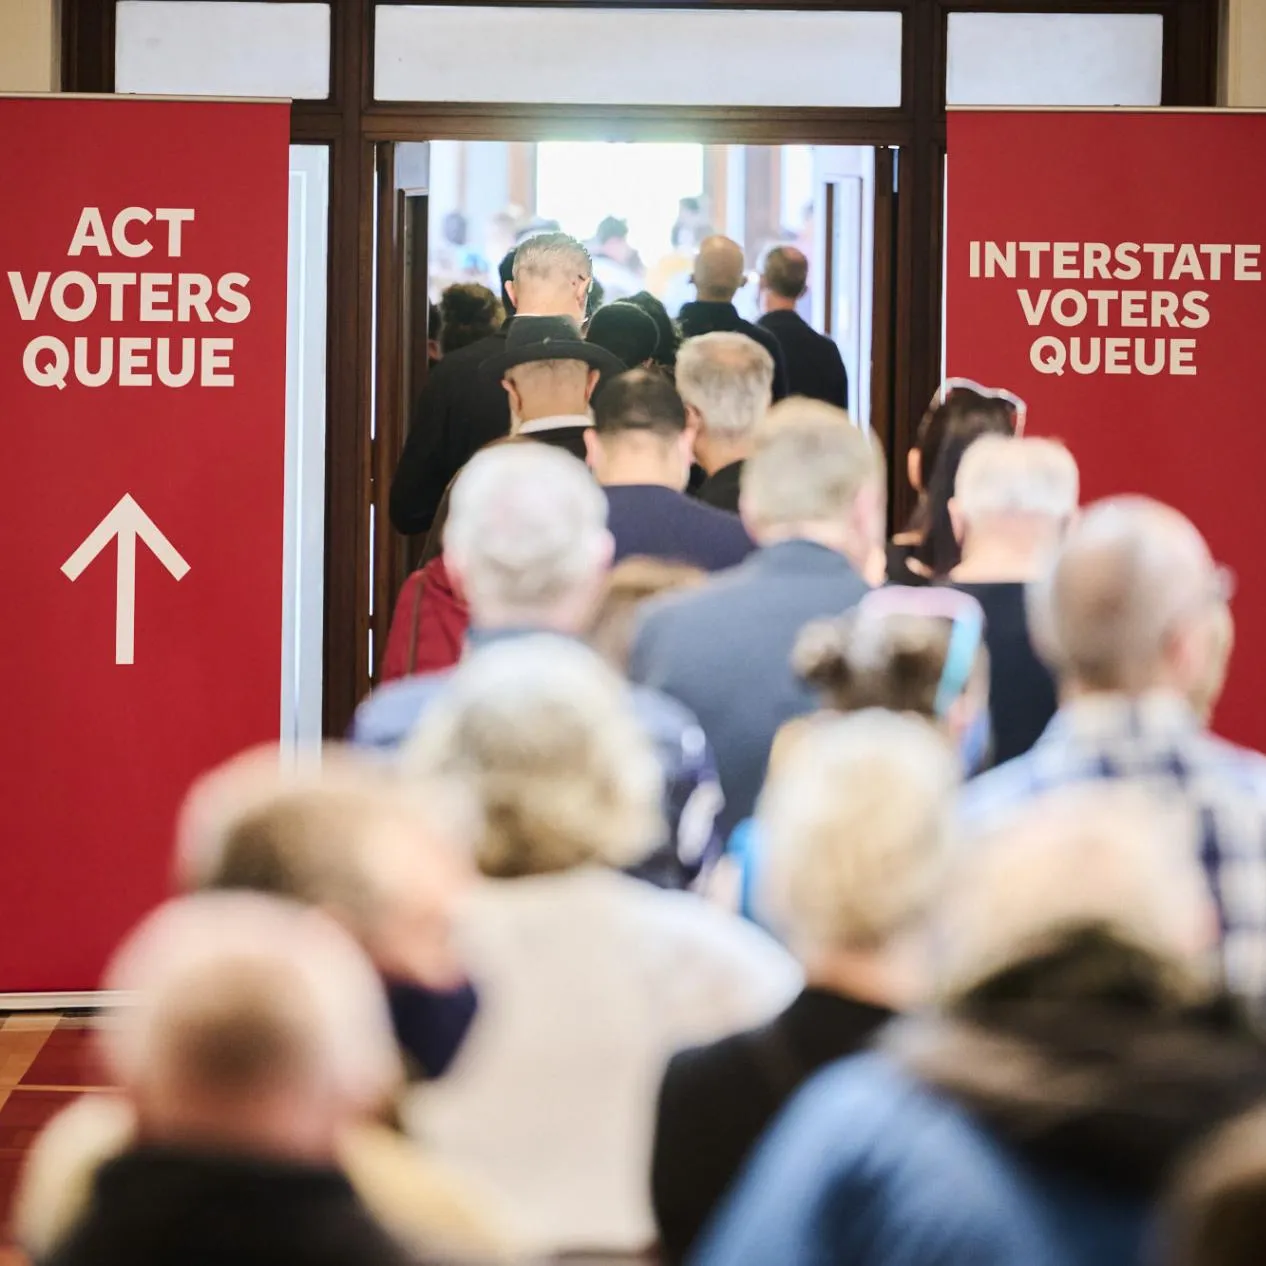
(463, 405)
(815, 367)
(718, 275)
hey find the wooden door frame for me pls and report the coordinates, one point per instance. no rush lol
(351, 123)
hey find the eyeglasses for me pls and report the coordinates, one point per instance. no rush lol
(1019, 410)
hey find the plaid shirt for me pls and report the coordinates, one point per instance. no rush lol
(1156, 742)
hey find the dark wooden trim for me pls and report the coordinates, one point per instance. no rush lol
(87, 40)
(424, 121)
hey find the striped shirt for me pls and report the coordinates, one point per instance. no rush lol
(1155, 742)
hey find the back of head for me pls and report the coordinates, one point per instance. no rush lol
(728, 379)
(1002, 476)
(856, 824)
(237, 998)
(786, 272)
(545, 735)
(945, 435)
(1217, 1211)
(469, 312)
(627, 332)
(809, 464)
(1129, 576)
(631, 583)
(882, 656)
(526, 528)
(641, 400)
(546, 266)
(668, 339)
(718, 271)
(1102, 860)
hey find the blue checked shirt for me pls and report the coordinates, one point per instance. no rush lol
(1156, 743)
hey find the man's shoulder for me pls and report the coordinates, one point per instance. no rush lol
(388, 715)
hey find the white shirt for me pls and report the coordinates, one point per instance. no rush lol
(588, 982)
(555, 423)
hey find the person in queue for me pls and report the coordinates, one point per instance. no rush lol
(1013, 500)
(857, 831)
(627, 332)
(463, 405)
(815, 367)
(1128, 614)
(668, 340)
(469, 313)
(639, 449)
(718, 275)
(587, 979)
(1077, 1048)
(813, 500)
(550, 374)
(256, 1036)
(960, 412)
(724, 380)
(918, 651)
(527, 546)
(631, 584)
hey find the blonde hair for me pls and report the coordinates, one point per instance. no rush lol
(808, 463)
(545, 735)
(1001, 474)
(728, 378)
(236, 991)
(1106, 857)
(856, 823)
(630, 584)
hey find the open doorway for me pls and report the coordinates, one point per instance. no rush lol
(448, 210)
(643, 207)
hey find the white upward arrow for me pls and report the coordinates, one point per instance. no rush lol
(127, 521)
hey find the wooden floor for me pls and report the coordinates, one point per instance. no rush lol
(46, 1061)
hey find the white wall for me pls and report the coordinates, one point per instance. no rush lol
(29, 46)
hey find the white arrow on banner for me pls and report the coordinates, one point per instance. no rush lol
(127, 521)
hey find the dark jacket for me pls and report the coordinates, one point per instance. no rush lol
(815, 367)
(716, 1101)
(724, 651)
(655, 522)
(1037, 1123)
(157, 1206)
(462, 407)
(705, 317)
(1021, 689)
(721, 489)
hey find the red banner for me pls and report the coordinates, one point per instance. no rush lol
(1107, 267)
(142, 385)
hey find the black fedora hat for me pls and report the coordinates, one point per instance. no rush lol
(533, 338)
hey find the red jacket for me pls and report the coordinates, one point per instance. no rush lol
(428, 625)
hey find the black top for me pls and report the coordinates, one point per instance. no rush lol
(815, 367)
(703, 317)
(715, 1102)
(160, 1206)
(461, 409)
(1021, 689)
(899, 570)
(721, 489)
(655, 522)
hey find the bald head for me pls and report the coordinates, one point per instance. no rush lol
(1128, 603)
(718, 269)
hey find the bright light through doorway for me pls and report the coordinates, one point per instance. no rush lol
(578, 183)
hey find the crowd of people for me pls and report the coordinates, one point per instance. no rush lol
(711, 879)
